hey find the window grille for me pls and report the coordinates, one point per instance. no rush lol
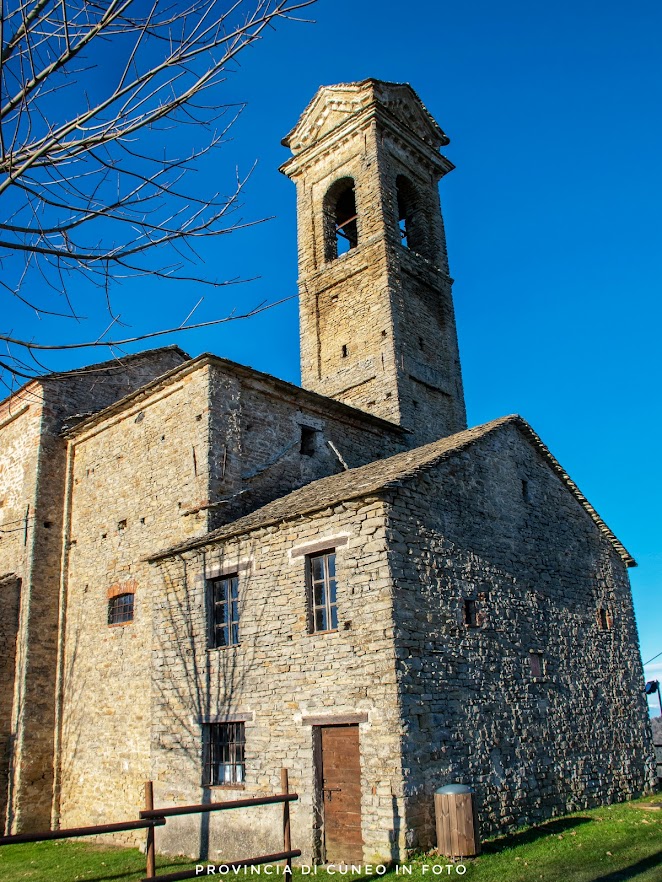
(225, 611)
(322, 591)
(120, 609)
(225, 754)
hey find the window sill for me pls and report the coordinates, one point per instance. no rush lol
(225, 786)
(223, 649)
(119, 624)
(328, 631)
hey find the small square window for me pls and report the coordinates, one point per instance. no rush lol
(321, 577)
(308, 441)
(224, 759)
(120, 609)
(224, 597)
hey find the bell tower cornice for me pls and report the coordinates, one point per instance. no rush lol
(336, 113)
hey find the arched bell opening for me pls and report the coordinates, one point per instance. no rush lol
(411, 217)
(340, 219)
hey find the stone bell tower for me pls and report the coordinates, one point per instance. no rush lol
(376, 310)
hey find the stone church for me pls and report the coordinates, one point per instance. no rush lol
(208, 574)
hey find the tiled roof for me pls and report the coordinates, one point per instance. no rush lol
(379, 476)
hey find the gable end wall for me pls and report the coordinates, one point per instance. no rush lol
(538, 571)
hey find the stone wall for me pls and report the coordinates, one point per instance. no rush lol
(497, 526)
(32, 485)
(19, 441)
(186, 455)
(134, 476)
(21, 429)
(279, 675)
(268, 438)
(10, 598)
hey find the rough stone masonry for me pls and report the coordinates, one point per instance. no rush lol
(208, 574)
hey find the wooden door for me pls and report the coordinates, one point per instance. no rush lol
(340, 776)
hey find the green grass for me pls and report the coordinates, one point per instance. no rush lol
(614, 844)
(77, 861)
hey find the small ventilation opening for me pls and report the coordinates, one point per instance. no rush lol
(470, 612)
(605, 619)
(308, 441)
(535, 664)
(345, 351)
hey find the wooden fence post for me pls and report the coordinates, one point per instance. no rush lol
(150, 850)
(287, 839)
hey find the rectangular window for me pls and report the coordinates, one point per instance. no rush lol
(470, 613)
(322, 591)
(605, 619)
(224, 611)
(225, 745)
(120, 609)
(535, 663)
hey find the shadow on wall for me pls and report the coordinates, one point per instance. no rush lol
(195, 684)
(76, 688)
(10, 596)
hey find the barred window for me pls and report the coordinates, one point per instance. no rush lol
(224, 761)
(321, 575)
(225, 611)
(120, 609)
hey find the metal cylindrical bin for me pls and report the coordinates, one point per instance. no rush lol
(456, 816)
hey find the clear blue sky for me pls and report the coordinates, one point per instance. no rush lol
(553, 218)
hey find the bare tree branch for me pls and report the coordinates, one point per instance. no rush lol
(90, 195)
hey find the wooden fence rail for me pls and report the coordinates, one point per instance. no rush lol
(151, 817)
(73, 832)
(202, 807)
(151, 813)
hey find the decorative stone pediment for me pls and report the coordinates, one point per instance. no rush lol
(334, 105)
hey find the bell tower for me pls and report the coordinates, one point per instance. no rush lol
(376, 310)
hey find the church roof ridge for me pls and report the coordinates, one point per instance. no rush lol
(193, 363)
(381, 475)
(117, 362)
